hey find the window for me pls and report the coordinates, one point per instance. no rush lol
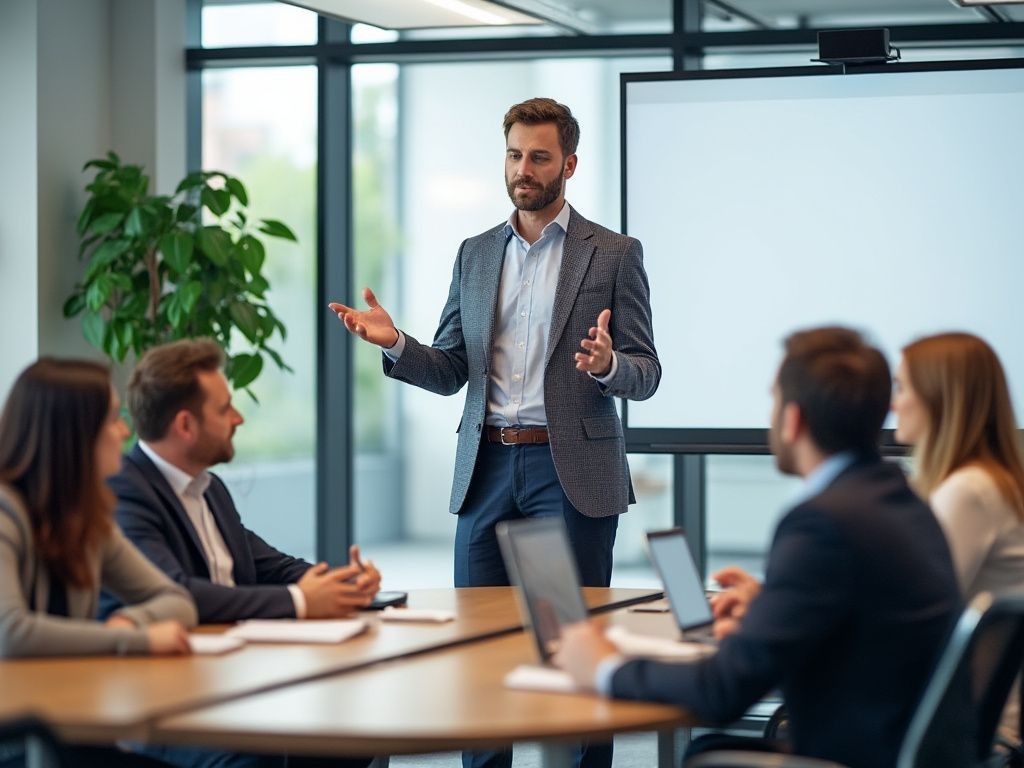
(273, 152)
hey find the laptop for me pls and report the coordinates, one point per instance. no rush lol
(684, 588)
(541, 564)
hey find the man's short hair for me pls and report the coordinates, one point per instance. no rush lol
(165, 381)
(541, 110)
(841, 384)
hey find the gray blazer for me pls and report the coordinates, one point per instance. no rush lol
(119, 567)
(600, 269)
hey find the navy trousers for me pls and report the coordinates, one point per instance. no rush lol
(516, 482)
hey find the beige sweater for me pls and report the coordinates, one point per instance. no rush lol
(149, 596)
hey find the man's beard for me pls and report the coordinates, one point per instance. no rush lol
(548, 194)
(211, 453)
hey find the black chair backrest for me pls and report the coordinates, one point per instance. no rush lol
(956, 720)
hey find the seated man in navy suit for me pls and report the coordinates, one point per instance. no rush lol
(859, 593)
(182, 517)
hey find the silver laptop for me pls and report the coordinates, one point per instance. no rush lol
(684, 588)
(541, 564)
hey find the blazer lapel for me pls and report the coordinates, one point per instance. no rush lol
(491, 261)
(170, 499)
(576, 255)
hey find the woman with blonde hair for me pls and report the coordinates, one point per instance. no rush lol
(953, 406)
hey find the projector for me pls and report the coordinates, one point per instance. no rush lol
(855, 46)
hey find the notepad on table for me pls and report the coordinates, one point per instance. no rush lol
(531, 677)
(631, 644)
(213, 645)
(297, 631)
(428, 616)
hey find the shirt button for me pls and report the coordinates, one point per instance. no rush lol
(526, 283)
(521, 344)
(522, 314)
(515, 402)
(516, 377)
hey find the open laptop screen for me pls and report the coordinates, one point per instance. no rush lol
(540, 563)
(683, 586)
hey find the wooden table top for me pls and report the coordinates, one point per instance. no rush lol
(100, 699)
(452, 699)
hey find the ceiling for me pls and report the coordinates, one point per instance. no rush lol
(610, 14)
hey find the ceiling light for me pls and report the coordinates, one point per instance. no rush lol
(419, 14)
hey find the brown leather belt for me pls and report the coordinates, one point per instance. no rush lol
(517, 435)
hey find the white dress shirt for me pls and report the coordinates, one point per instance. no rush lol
(526, 298)
(190, 492)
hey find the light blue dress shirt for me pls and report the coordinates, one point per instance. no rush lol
(526, 296)
(818, 480)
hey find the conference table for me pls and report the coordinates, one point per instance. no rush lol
(397, 688)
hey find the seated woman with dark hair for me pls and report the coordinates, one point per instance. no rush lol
(953, 406)
(60, 438)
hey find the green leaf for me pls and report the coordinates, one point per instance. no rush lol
(104, 255)
(98, 292)
(176, 248)
(74, 305)
(105, 165)
(85, 217)
(243, 370)
(252, 253)
(133, 226)
(258, 286)
(237, 189)
(275, 228)
(105, 223)
(174, 310)
(215, 243)
(268, 323)
(93, 329)
(191, 181)
(121, 281)
(217, 200)
(189, 295)
(244, 316)
(185, 212)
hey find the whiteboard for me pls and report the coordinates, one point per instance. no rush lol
(767, 202)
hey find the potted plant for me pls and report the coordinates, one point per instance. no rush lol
(164, 267)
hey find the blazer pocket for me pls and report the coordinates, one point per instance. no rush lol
(602, 427)
(603, 288)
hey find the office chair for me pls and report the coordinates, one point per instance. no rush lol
(985, 652)
(24, 736)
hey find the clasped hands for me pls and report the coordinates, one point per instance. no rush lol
(583, 646)
(376, 326)
(336, 592)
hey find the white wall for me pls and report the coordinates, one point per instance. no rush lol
(18, 187)
(77, 77)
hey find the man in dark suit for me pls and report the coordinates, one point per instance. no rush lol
(859, 592)
(183, 519)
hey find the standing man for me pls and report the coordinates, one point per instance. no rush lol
(859, 592)
(548, 316)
